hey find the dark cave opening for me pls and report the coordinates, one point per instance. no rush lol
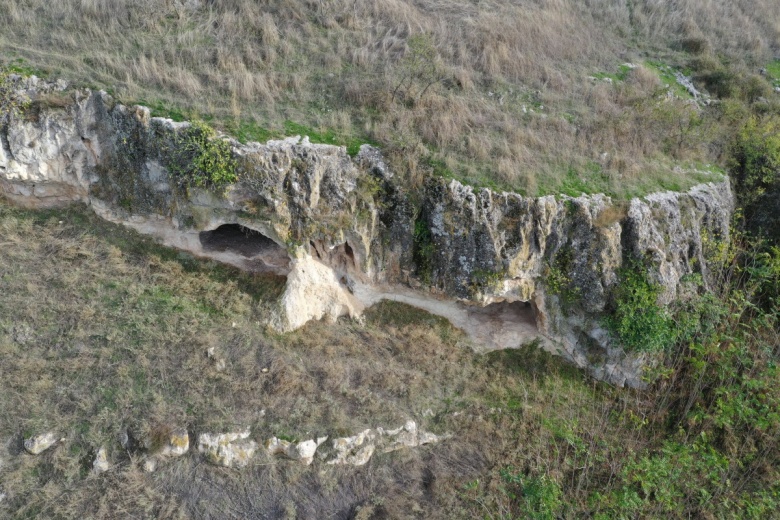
(238, 239)
(515, 314)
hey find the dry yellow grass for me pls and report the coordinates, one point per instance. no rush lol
(335, 65)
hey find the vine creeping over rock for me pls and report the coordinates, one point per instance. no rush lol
(200, 158)
(638, 321)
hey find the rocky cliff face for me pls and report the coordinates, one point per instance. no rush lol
(346, 234)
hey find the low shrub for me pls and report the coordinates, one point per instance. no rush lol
(200, 158)
(638, 322)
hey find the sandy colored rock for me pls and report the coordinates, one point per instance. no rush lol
(303, 451)
(100, 464)
(39, 443)
(178, 444)
(231, 450)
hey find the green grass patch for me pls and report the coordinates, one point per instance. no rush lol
(22, 67)
(621, 74)
(773, 72)
(666, 75)
(327, 136)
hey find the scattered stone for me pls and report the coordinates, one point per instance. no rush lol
(302, 451)
(178, 443)
(219, 362)
(23, 334)
(150, 465)
(227, 449)
(2, 497)
(100, 464)
(40, 443)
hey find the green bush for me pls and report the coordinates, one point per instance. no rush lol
(537, 498)
(755, 158)
(423, 249)
(200, 158)
(637, 320)
(10, 102)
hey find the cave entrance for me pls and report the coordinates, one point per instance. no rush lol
(261, 252)
(503, 325)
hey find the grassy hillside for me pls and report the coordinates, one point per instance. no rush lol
(102, 331)
(529, 96)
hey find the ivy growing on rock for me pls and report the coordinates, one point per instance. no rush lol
(201, 159)
(637, 320)
(10, 101)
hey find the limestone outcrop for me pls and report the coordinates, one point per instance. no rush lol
(358, 449)
(346, 232)
(231, 450)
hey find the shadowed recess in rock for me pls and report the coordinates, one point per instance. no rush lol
(503, 324)
(235, 238)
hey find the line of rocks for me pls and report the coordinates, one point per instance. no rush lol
(237, 449)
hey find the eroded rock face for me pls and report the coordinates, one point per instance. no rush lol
(335, 225)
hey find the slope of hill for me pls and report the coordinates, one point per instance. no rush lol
(523, 95)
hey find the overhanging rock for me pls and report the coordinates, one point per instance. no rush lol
(347, 233)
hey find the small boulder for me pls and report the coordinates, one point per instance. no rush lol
(150, 465)
(100, 464)
(356, 450)
(227, 449)
(178, 443)
(39, 443)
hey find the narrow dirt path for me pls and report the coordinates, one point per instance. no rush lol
(494, 327)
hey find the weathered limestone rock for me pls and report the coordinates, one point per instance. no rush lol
(313, 292)
(303, 451)
(231, 450)
(358, 449)
(150, 465)
(177, 443)
(100, 464)
(37, 444)
(338, 223)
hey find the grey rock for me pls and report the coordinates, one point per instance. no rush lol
(37, 444)
(333, 224)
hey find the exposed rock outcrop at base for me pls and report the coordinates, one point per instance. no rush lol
(346, 232)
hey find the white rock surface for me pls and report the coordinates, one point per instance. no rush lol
(177, 445)
(358, 449)
(100, 464)
(40, 443)
(231, 450)
(303, 451)
(313, 292)
(150, 465)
